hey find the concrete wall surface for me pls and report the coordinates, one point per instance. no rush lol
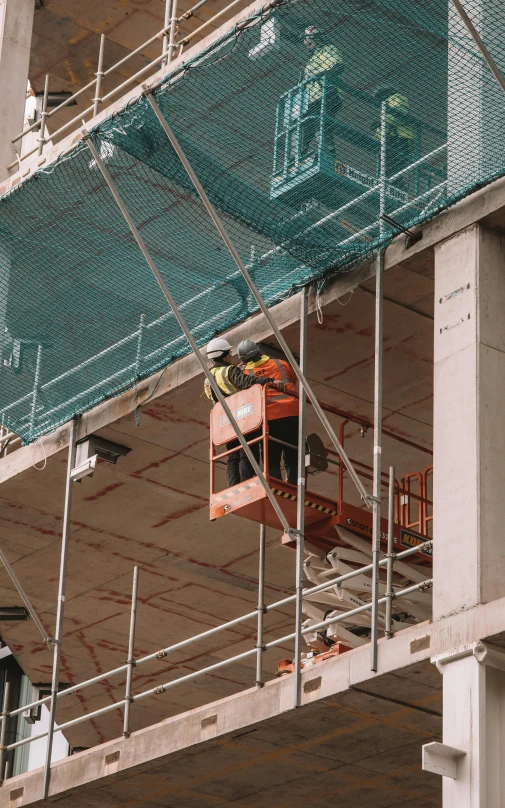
(469, 440)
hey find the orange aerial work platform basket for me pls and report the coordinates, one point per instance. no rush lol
(249, 499)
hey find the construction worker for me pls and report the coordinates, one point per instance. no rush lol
(231, 379)
(282, 408)
(325, 58)
(400, 136)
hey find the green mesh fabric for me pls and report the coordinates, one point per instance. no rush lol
(302, 140)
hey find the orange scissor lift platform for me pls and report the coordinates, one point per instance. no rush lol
(249, 499)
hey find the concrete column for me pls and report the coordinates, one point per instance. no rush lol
(469, 421)
(474, 723)
(476, 103)
(16, 22)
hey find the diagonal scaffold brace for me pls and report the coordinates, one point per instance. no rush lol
(180, 319)
(367, 498)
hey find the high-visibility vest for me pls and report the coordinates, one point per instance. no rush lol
(221, 375)
(322, 60)
(279, 405)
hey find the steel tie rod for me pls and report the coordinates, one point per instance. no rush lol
(180, 319)
(368, 498)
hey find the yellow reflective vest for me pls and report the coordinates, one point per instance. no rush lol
(221, 375)
(323, 59)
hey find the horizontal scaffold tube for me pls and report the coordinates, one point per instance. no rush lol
(224, 627)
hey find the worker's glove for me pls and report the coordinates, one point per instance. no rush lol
(280, 386)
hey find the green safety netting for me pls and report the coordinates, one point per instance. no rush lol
(305, 125)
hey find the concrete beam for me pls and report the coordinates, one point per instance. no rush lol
(346, 710)
(16, 22)
(349, 715)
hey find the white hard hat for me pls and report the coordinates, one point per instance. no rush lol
(218, 347)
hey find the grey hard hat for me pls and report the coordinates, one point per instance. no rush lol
(247, 349)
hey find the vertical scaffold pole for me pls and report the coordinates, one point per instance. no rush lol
(131, 654)
(166, 23)
(43, 116)
(187, 333)
(260, 645)
(138, 357)
(35, 394)
(3, 729)
(99, 76)
(173, 26)
(300, 502)
(60, 614)
(390, 554)
(377, 452)
(259, 300)
(382, 169)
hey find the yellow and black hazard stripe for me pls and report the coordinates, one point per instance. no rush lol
(308, 503)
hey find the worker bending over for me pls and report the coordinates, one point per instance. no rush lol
(230, 379)
(282, 408)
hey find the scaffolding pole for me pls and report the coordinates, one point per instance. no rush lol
(173, 29)
(166, 26)
(36, 390)
(300, 502)
(99, 76)
(3, 730)
(382, 169)
(180, 319)
(390, 553)
(368, 499)
(43, 116)
(60, 614)
(377, 452)
(131, 654)
(260, 645)
(24, 597)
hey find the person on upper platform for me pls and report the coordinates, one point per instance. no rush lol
(282, 408)
(231, 379)
(325, 59)
(400, 134)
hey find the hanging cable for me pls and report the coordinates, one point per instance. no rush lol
(44, 461)
(149, 397)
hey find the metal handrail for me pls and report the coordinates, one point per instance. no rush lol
(165, 57)
(210, 632)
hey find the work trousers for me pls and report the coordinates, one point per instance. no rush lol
(238, 467)
(285, 429)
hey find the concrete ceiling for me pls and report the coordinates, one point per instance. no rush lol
(66, 41)
(151, 509)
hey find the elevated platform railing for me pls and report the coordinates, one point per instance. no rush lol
(413, 505)
(171, 41)
(260, 648)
